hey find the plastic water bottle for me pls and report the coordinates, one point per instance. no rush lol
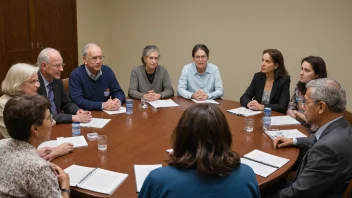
(267, 119)
(129, 106)
(76, 129)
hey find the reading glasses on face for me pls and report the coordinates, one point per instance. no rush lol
(95, 58)
(200, 57)
(57, 65)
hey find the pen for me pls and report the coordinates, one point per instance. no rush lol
(253, 98)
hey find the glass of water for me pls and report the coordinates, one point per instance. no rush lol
(248, 124)
(102, 143)
(144, 102)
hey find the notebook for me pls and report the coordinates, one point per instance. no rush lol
(141, 172)
(243, 111)
(95, 179)
(96, 123)
(77, 141)
(121, 110)
(283, 120)
(262, 163)
(205, 101)
(292, 133)
(163, 103)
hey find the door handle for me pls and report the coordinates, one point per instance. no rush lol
(32, 45)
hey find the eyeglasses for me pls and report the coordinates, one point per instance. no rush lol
(35, 81)
(95, 58)
(200, 57)
(57, 65)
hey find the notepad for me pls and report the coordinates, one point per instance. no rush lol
(51, 144)
(292, 133)
(96, 123)
(77, 141)
(262, 163)
(163, 103)
(243, 111)
(205, 101)
(121, 110)
(95, 179)
(141, 172)
(283, 120)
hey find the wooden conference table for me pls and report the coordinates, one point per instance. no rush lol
(144, 136)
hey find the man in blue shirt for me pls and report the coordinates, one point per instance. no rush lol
(200, 80)
(93, 86)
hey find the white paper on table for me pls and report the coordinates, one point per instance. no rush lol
(205, 101)
(96, 123)
(283, 120)
(141, 172)
(163, 103)
(51, 144)
(291, 133)
(120, 111)
(266, 158)
(258, 168)
(243, 111)
(77, 141)
(169, 151)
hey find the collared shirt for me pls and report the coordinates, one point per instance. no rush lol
(319, 132)
(46, 83)
(92, 76)
(23, 173)
(191, 81)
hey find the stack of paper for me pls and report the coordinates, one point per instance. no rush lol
(163, 103)
(141, 172)
(205, 101)
(262, 163)
(77, 141)
(95, 179)
(51, 144)
(96, 123)
(119, 111)
(243, 111)
(292, 133)
(283, 120)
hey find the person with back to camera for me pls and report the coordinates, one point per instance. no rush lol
(312, 67)
(150, 80)
(202, 163)
(200, 80)
(23, 173)
(271, 86)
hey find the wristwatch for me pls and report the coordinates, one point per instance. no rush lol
(66, 190)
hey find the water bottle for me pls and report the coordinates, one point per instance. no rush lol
(76, 129)
(129, 106)
(267, 119)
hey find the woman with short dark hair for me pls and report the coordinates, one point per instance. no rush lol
(271, 86)
(202, 163)
(23, 173)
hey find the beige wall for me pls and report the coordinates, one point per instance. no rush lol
(236, 32)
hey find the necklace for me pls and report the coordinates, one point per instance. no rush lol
(268, 84)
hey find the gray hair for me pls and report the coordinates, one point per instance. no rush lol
(329, 91)
(16, 76)
(44, 55)
(85, 49)
(148, 50)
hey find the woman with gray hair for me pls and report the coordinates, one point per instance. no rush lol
(150, 80)
(22, 79)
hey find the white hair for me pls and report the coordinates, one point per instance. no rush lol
(44, 55)
(17, 74)
(85, 49)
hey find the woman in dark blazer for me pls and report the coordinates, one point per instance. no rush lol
(271, 86)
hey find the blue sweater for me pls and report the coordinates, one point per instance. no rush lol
(171, 182)
(88, 94)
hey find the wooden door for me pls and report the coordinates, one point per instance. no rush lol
(56, 27)
(17, 34)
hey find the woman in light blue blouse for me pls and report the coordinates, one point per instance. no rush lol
(200, 80)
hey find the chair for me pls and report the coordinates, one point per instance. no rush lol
(348, 191)
(348, 116)
(65, 83)
(1, 137)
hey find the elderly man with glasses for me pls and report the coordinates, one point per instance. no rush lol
(62, 108)
(93, 86)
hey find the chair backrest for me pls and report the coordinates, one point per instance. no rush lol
(65, 83)
(348, 116)
(348, 191)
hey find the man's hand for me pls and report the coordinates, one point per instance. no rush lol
(200, 95)
(111, 105)
(280, 142)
